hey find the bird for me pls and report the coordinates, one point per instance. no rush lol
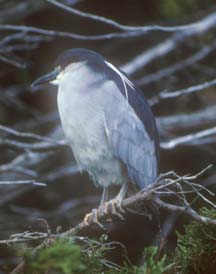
(107, 122)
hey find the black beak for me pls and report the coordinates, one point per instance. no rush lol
(45, 79)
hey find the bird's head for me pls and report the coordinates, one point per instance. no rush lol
(69, 61)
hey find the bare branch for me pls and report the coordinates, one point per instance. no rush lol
(14, 61)
(112, 23)
(188, 139)
(182, 121)
(37, 155)
(146, 196)
(22, 182)
(173, 94)
(181, 209)
(16, 166)
(24, 237)
(24, 42)
(201, 54)
(45, 144)
(198, 28)
(12, 37)
(62, 171)
(53, 33)
(41, 146)
(168, 45)
(205, 141)
(31, 135)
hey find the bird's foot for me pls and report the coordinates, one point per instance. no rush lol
(92, 218)
(114, 208)
(107, 210)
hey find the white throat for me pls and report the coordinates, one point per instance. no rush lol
(70, 69)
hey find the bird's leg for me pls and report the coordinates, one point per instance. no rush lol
(114, 206)
(92, 217)
(103, 208)
(104, 196)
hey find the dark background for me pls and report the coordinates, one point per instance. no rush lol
(67, 197)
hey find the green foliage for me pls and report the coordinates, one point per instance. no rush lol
(151, 265)
(195, 253)
(67, 257)
(64, 256)
(196, 249)
(94, 254)
(61, 257)
(176, 9)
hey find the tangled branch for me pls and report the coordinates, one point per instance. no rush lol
(167, 185)
(157, 192)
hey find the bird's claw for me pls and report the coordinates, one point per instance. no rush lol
(114, 207)
(92, 218)
(108, 210)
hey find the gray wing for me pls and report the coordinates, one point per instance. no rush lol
(130, 142)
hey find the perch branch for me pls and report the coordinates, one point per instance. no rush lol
(170, 182)
(147, 196)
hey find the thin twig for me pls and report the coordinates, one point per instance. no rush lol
(31, 135)
(202, 117)
(122, 27)
(170, 70)
(63, 34)
(188, 139)
(40, 146)
(168, 45)
(22, 182)
(186, 91)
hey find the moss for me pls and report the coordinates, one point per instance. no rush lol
(196, 248)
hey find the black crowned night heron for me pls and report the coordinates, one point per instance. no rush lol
(107, 122)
